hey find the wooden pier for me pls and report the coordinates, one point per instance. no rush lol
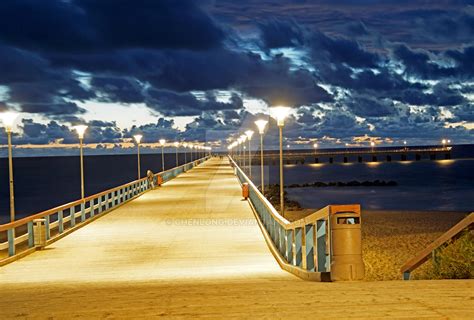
(192, 249)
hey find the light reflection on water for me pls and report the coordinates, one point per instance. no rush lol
(422, 185)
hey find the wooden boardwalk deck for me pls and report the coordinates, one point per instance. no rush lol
(192, 249)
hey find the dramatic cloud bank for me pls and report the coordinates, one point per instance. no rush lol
(203, 70)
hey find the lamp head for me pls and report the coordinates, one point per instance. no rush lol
(405, 142)
(81, 129)
(176, 144)
(185, 145)
(138, 138)
(162, 142)
(315, 145)
(249, 134)
(372, 144)
(279, 114)
(261, 124)
(443, 141)
(449, 141)
(243, 138)
(8, 118)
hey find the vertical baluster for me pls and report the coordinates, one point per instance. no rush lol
(60, 222)
(83, 211)
(91, 206)
(72, 215)
(289, 246)
(298, 246)
(11, 241)
(46, 224)
(321, 256)
(309, 246)
(31, 235)
(106, 196)
(99, 201)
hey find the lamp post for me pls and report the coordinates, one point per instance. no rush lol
(315, 146)
(138, 138)
(444, 141)
(80, 133)
(185, 145)
(405, 145)
(372, 145)
(176, 144)
(162, 143)
(243, 138)
(249, 134)
(280, 113)
(8, 118)
(261, 124)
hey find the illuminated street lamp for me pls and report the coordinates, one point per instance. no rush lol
(191, 152)
(185, 145)
(249, 134)
(315, 146)
(138, 138)
(8, 118)
(176, 145)
(280, 113)
(162, 143)
(243, 138)
(81, 129)
(261, 125)
(405, 144)
(372, 145)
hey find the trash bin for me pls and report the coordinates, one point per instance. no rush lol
(159, 180)
(39, 231)
(245, 190)
(346, 243)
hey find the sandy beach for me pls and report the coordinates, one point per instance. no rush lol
(392, 237)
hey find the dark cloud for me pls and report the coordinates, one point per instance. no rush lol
(279, 34)
(89, 25)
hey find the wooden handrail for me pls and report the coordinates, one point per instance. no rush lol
(42, 214)
(310, 219)
(423, 255)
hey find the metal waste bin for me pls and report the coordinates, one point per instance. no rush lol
(346, 243)
(159, 180)
(245, 190)
(39, 231)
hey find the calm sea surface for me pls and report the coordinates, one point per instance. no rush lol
(422, 185)
(43, 183)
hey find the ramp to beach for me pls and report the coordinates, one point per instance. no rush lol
(192, 248)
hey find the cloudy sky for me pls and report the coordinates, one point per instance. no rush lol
(201, 70)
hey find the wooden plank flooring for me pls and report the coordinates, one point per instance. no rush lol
(192, 249)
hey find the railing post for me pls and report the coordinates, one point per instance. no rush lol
(72, 215)
(91, 206)
(298, 247)
(406, 275)
(60, 221)
(309, 245)
(11, 241)
(289, 246)
(83, 211)
(100, 204)
(106, 196)
(321, 252)
(31, 235)
(46, 224)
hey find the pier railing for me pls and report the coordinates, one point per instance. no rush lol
(302, 247)
(424, 255)
(17, 239)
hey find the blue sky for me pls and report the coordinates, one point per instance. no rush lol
(353, 71)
